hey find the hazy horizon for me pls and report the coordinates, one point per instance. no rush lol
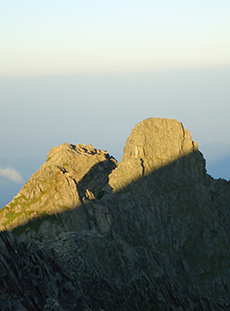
(88, 72)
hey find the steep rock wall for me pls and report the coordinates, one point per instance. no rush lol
(155, 232)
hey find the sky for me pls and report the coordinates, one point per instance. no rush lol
(89, 71)
(62, 37)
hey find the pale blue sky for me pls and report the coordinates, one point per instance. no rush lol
(89, 71)
(40, 37)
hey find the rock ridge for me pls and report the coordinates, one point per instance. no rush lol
(149, 233)
(152, 144)
(71, 175)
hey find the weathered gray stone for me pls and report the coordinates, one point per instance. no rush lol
(151, 233)
(72, 175)
(152, 144)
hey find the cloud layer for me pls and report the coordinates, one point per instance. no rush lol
(11, 173)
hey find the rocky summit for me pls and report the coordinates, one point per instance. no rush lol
(71, 175)
(149, 233)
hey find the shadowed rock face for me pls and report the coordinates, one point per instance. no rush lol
(149, 233)
(152, 144)
(71, 175)
(75, 275)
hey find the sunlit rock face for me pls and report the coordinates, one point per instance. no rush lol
(71, 175)
(74, 174)
(149, 233)
(162, 140)
(152, 144)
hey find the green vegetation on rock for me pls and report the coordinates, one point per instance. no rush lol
(149, 233)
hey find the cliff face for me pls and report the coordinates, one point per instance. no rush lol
(152, 144)
(71, 175)
(149, 233)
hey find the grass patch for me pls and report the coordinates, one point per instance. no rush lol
(17, 201)
(35, 224)
(33, 201)
(11, 217)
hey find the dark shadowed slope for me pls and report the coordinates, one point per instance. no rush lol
(153, 233)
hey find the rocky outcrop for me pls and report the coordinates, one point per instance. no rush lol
(149, 233)
(89, 271)
(152, 144)
(71, 175)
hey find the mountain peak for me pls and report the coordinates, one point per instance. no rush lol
(149, 233)
(71, 175)
(154, 143)
(161, 139)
